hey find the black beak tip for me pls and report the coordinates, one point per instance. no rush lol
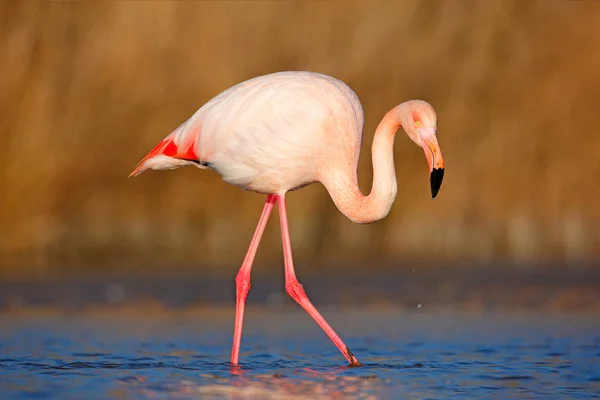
(435, 179)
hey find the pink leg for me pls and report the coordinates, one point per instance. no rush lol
(295, 289)
(242, 279)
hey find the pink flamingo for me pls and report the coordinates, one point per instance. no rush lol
(280, 132)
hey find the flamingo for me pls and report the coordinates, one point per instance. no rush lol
(276, 133)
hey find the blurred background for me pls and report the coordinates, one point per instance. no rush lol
(88, 88)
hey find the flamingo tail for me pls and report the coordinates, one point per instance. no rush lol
(168, 155)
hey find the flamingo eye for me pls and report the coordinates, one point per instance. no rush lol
(417, 124)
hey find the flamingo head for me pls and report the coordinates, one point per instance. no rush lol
(420, 123)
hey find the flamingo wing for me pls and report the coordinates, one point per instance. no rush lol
(269, 134)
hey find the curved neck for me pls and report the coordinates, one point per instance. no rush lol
(344, 189)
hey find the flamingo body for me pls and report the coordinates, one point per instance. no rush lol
(271, 134)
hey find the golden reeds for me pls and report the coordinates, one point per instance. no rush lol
(87, 88)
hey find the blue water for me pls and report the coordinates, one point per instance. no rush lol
(146, 354)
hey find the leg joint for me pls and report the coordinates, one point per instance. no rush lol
(242, 282)
(295, 289)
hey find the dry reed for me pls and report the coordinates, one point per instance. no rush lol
(87, 88)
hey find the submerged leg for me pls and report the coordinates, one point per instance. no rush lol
(242, 279)
(294, 288)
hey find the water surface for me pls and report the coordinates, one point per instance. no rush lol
(148, 354)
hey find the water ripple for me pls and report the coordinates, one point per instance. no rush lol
(50, 359)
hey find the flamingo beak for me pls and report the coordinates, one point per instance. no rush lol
(435, 161)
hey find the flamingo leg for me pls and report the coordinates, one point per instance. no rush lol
(242, 280)
(296, 291)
